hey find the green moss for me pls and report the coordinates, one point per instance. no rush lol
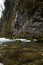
(18, 41)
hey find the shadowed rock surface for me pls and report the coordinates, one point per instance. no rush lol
(29, 26)
(22, 18)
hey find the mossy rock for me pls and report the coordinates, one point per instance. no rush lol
(18, 41)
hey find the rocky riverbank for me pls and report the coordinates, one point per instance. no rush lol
(22, 53)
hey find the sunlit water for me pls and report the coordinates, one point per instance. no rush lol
(1, 64)
(5, 40)
(10, 40)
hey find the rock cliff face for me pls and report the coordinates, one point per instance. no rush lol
(27, 25)
(24, 18)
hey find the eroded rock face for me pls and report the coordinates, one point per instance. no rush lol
(30, 25)
(23, 18)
